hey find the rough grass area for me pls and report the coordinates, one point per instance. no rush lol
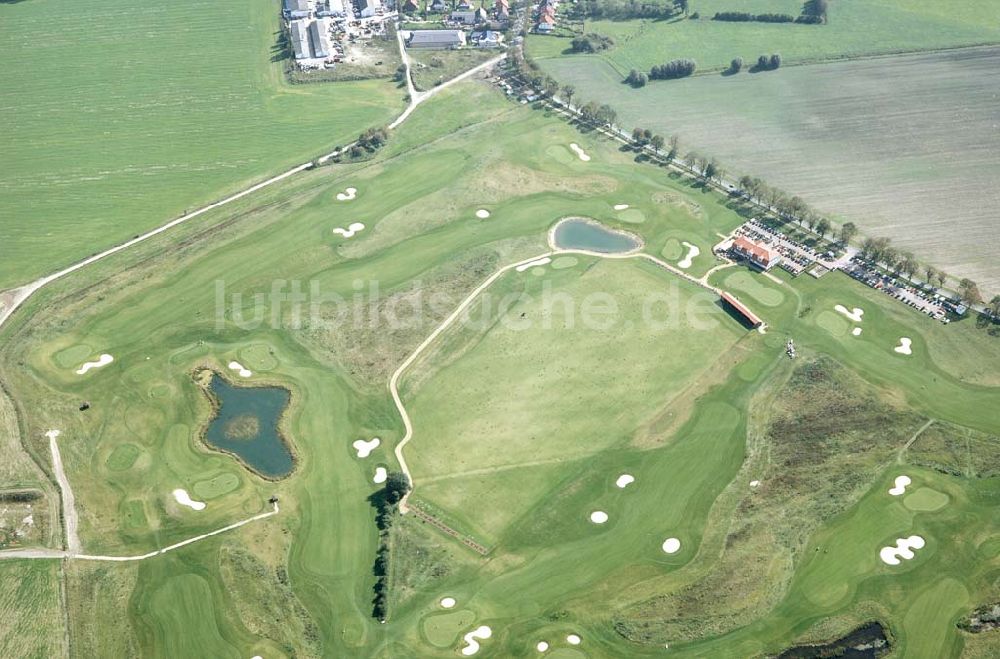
(855, 28)
(954, 450)
(134, 115)
(430, 68)
(876, 131)
(422, 558)
(98, 593)
(819, 440)
(31, 610)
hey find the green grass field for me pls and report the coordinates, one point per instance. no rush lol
(122, 117)
(856, 28)
(519, 433)
(878, 133)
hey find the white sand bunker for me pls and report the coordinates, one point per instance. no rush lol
(447, 602)
(899, 487)
(621, 207)
(693, 251)
(754, 483)
(351, 229)
(904, 346)
(52, 434)
(482, 213)
(598, 517)
(182, 498)
(471, 642)
(624, 480)
(573, 639)
(347, 195)
(542, 646)
(854, 314)
(580, 152)
(671, 545)
(856, 331)
(242, 370)
(531, 264)
(103, 360)
(364, 448)
(903, 549)
(380, 475)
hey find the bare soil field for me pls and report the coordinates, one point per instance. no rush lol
(905, 146)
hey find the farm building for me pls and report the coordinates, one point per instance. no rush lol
(320, 43)
(297, 6)
(487, 39)
(300, 39)
(470, 17)
(757, 254)
(436, 39)
(368, 8)
(750, 317)
(333, 8)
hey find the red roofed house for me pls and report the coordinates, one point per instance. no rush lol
(759, 255)
(546, 23)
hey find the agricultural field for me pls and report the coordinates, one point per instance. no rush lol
(105, 139)
(855, 28)
(741, 462)
(883, 144)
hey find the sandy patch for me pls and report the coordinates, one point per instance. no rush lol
(899, 486)
(52, 434)
(471, 642)
(904, 346)
(447, 602)
(380, 475)
(542, 646)
(903, 549)
(854, 314)
(856, 331)
(692, 252)
(242, 370)
(352, 228)
(579, 152)
(598, 517)
(103, 360)
(573, 639)
(364, 448)
(624, 480)
(621, 207)
(347, 195)
(754, 483)
(671, 545)
(482, 213)
(182, 498)
(545, 260)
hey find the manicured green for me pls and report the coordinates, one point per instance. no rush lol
(521, 427)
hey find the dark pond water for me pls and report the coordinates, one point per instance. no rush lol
(589, 235)
(866, 642)
(246, 424)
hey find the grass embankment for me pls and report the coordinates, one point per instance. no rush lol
(132, 116)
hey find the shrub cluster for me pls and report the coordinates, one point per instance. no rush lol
(678, 68)
(591, 43)
(768, 62)
(636, 78)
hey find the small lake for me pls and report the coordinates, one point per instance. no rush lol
(246, 424)
(578, 233)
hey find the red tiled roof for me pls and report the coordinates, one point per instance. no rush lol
(545, 18)
(755, 251)
(739, 306)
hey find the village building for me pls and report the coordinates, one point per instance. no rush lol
(470, 17)
(742, 310)
(368, 8)
(759, 255)
(300, 39)
(410, 7)
(436, 39)
(318, 38)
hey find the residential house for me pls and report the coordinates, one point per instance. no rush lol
(368, 8)
(410, 7)
(546, 23)
(470, 17)
(487, 39)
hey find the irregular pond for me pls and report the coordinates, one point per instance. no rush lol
(866, 642)
(246, 424)
(580, 233)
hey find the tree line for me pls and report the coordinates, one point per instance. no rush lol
(814, 12)
(678, 68)
(386, 505)
(620, 10)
